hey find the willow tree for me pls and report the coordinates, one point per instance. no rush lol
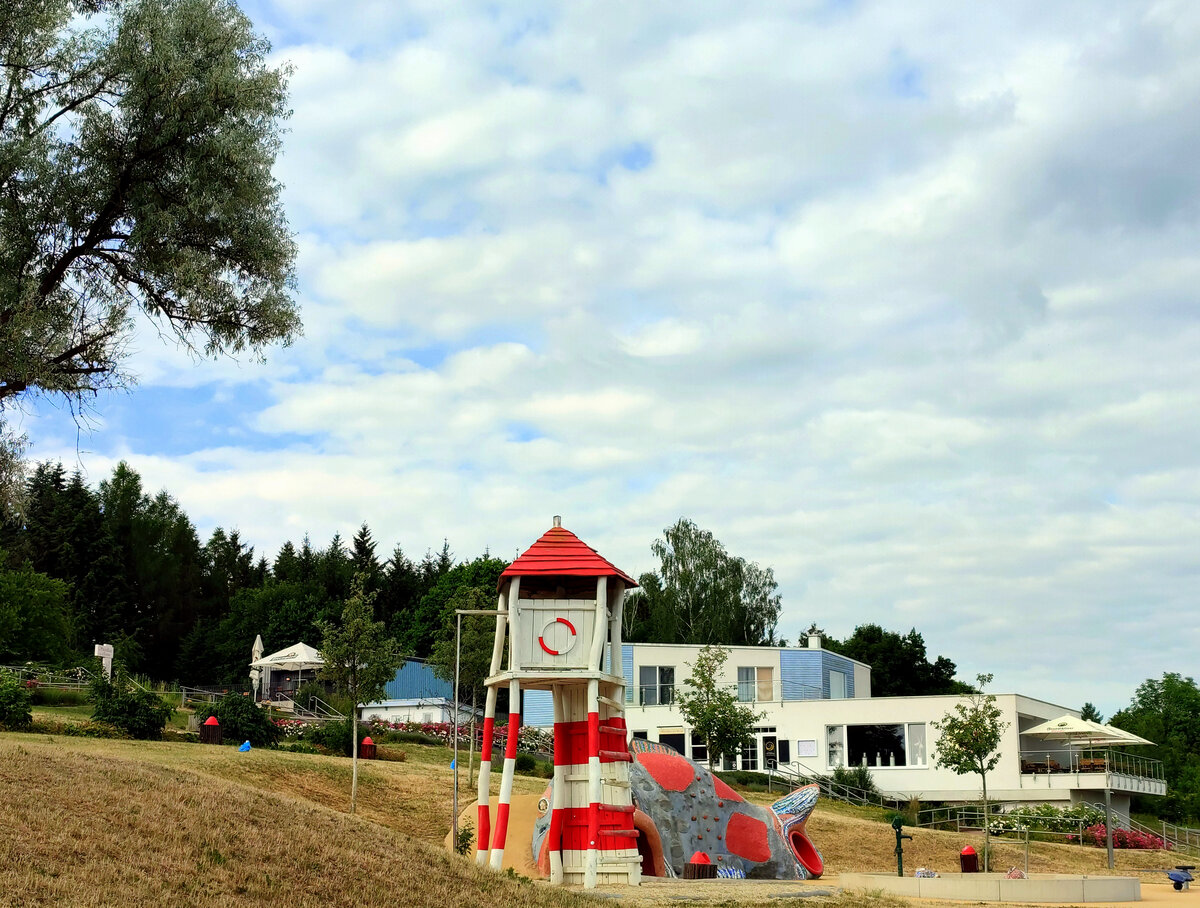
(702, 594)
(136, 144)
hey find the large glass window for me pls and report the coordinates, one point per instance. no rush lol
(916, 744)
(749, 755)
(876, 745)
(835, 744)
(656, 685)
(837, 685)
(746, 683)
(699, 749)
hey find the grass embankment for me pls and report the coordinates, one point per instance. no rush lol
(111, 822)
(118, 823)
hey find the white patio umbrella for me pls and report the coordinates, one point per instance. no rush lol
(1079, 732)
(294, 658)
(256, 674)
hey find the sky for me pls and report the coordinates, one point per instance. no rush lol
(895, 298)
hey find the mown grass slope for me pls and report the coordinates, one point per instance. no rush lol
(98, 822)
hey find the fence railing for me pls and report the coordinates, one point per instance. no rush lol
(795, 774)
(1089, 760)
(70, 679)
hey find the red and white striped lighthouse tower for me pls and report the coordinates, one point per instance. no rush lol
(560, 605)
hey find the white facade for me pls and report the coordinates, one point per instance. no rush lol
(817, 714)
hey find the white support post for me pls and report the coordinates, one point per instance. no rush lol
(559, 805)
(592, 865)
(484, 790)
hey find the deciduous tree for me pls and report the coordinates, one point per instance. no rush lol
(712, 708)
(702, 594)
(360, 658)
(970, 739)
(137, 139)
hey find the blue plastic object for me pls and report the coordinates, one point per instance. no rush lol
(245, 747)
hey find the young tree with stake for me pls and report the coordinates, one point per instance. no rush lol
(360, 658)
(969, 742)
(712, 709)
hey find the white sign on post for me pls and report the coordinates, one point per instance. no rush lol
(104, 652)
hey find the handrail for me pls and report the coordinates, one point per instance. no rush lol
(835, 791)
(1090, 760)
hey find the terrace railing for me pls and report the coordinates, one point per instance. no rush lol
(1088, 760)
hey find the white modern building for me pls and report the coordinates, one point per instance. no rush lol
(817, 714)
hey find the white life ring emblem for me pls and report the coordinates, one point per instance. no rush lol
(563, 641)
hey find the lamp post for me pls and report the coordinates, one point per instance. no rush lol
(458, 613)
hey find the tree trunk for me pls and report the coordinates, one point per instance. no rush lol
(986, 823)
(353, 757)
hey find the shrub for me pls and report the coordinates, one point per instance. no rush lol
(529, 765)
(94, 730)
(299, 747)
(241, 720)
(140, 713)
(858, 777)
(1122, 838)
(15, 701)
(57, 696)
(335, 737)
(405, 737)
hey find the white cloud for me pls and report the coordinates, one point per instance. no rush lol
(897, 298)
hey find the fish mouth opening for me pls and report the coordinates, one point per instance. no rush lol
(649, 845)
(806, 853)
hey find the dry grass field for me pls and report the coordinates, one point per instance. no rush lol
(94, 822)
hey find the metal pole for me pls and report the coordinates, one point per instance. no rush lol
(1027, 852)
(457, 657)
(1108, 825)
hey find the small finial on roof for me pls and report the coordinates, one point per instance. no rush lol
(557, 520)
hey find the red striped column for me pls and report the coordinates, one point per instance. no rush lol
(496, 861)
(484, 792)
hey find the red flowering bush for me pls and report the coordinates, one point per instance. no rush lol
(1123, 838)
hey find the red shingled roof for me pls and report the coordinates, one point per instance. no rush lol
(560, 553)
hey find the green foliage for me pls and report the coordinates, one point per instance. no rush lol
(34, 623)
(136, 147)
(747, 779)
(14, 703)
(241, 720)
(1167, 711)
(359, 656)
(478, 636)
(466, 839)
(55, 696)
(857, 777)
(970, 739)
(140, 713)
(409, 737)
(471, 584)
(529, 765)
(702, 594)
(712, 708)
(337, 737)
(1090, 713)
(899, 665)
